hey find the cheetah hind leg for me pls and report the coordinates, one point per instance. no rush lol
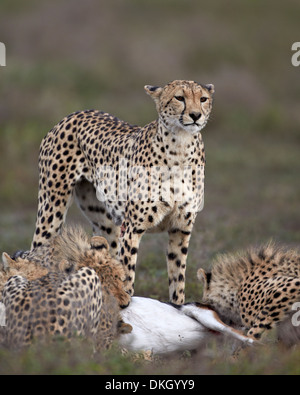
(95, 212)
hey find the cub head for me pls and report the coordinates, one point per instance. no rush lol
(110, 271)
(183, 104)
(219, 294)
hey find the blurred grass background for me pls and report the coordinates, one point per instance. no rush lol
(67, 55)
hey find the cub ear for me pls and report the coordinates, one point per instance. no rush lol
(66, 267)
(99, 242)
(201, 275)
(210, 88)
(7, 261)
(153, 91)
(124, 328)
(204, 278)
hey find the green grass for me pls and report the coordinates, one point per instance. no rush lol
(100, 55)
(78, 358)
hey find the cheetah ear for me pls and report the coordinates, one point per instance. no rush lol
(66, 267)
(210, 88)
(201, 275)
(99, 242)
(124, 328)
(153, 91)
(6, 262)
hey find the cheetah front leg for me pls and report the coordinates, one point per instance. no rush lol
(281, 296)
(176, 261)
(139, 218)
(263, 322)
(129, 245)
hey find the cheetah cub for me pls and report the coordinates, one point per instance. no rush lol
(128, 180)
(70, 286)
(258, 290)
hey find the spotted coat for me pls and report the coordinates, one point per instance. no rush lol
(257, 290)
(129, 179)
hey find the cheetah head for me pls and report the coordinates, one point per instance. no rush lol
(110, 271)
(219, 294)
(205, 279)
(183, 104)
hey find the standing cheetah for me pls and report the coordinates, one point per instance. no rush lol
(128, 179)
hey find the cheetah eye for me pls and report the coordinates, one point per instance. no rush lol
(203, 99)
(179, 98)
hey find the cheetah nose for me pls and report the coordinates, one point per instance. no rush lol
(195, 116)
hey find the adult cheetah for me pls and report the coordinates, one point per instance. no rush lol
(129, 179)
(259, 290)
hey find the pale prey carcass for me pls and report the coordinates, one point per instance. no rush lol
(164, 328)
